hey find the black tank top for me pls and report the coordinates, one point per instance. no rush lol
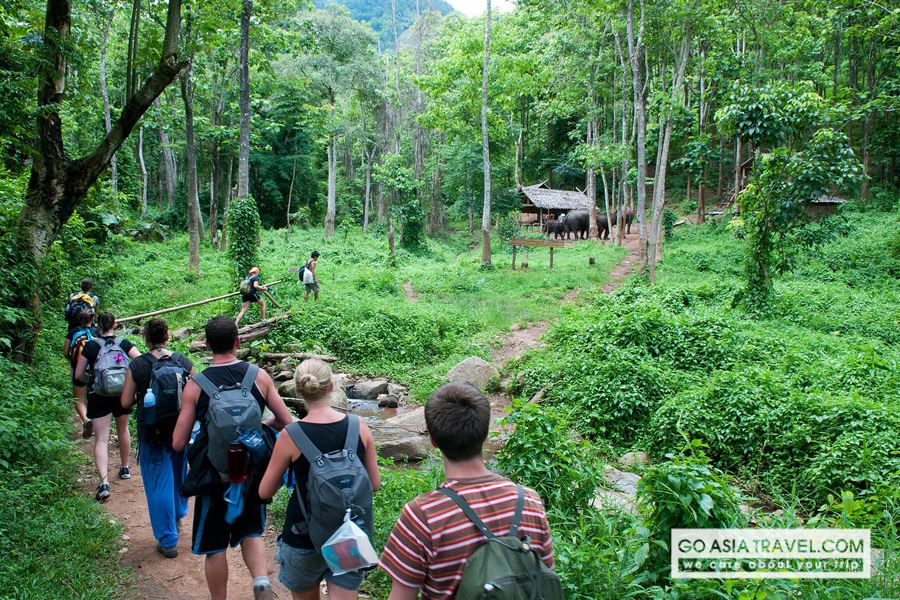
(226, 375)
(327, 437)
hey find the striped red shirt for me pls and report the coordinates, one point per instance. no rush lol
(433, 539)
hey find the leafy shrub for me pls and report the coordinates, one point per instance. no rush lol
(688, 493)
(543, 455)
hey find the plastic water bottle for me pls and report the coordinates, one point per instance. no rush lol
(149, 408)
(195, 431)
(237, 463)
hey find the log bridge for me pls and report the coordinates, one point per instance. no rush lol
(163, 311)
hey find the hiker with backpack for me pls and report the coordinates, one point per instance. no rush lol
(309, 278)
(83, 332)
(325, 444)
(76, 303)
(250, 289)
(479, 535)
(103, 365)
(155, 381)
(227, 401)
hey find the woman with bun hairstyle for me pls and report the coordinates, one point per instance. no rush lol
(302, 564)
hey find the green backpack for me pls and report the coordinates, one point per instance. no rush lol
(505, 568)
(246, 288)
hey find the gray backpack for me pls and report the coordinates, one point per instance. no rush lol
(337, 481)
(232, 412)
(110, 368)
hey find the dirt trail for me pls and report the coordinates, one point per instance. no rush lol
(182, 578)
(158, 578)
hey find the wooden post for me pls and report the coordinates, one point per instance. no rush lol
(551, 258)
(514, 258)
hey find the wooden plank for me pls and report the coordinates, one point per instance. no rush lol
(514, 258)
(551, 258)
(537, 243)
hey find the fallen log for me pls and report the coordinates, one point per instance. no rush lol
(184, 306)
(246, 334)
(275, 357)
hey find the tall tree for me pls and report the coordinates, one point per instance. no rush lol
(244, 84)
(59, 182)
(485, 142)
(636, 57)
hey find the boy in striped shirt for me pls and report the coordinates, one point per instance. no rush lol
(433, 539)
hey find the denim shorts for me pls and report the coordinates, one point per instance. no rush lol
(303, 568)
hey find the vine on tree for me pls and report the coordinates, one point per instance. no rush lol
(243, 235)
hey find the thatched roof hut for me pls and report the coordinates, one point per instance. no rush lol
(543, 202)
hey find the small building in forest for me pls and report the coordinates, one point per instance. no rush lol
(824, 206)
(540, 203)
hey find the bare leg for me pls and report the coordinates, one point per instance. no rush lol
(262, 310)
(306, 296)
(241, 314)
(254, 551)
(217, 575)
(310, 595)
(124, 439)
(81, 402)
(317, 295)
(336, 592)
(101, 445)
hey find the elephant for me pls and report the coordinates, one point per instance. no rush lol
(577, 222)
(554, 228)
(629, 218)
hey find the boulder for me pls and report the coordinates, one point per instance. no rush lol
(369, 389)
(181, 333)
(388, 401)
(283, 376)
(397, 390)
(339, 398)
(474, 370)
(623, 481)
(412, 421)
(288, 388)
(633, 459)
(340, 381)
(412, 448)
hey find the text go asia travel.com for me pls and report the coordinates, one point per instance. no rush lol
(771, 553)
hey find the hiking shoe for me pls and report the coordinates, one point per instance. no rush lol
(170, 552)
(102, 492)
(87, 429)
(265, 593)
(125, 473)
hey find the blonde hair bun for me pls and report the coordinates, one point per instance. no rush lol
(312, 377)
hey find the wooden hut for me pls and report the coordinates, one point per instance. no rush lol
(823, 206)
(540, 203)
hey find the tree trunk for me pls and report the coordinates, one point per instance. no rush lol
(59, 183)
(244, 84)
(635, 53)
(287, 213)
(332, 184)
(143, 168)
(591, 185)
(436, 220)
(659, 189)
(606, 199)
(167, 161)
(228, 191)
(485, 140)
(867, 123)
(737, 166)
(368, 188)
(195, 225)
(107, 119)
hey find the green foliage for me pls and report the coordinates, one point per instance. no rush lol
(687, 493)
(773, 203)
(243, 235)
(670, 217)
(543, 455)
(398, 179)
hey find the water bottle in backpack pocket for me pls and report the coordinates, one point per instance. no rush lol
(232, 412)
(338, 483)
(162, 402)
(110, 368)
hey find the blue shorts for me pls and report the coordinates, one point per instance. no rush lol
(303, 568)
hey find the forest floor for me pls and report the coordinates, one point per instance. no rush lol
(183, 578)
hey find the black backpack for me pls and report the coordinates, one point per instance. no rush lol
(76, 303)
(167, 379)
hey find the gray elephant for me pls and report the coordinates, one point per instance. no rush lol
(553, 228)
(629, 218)
(577, 222)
